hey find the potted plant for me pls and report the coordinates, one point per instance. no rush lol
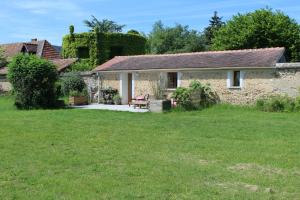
(78, 98)
(117, 99)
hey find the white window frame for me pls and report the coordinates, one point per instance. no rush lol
(230, 79)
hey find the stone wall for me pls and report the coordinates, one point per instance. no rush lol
(5, 86)
(146, 83)
(256, 83)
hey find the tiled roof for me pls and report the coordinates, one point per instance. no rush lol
(13, 49)
(62, 64)
(267, 57)
(41, 48)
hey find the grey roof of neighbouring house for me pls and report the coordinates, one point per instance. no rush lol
(267, 57)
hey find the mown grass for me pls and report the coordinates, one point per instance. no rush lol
(223, 152)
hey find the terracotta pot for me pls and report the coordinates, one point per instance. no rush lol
(75, 101)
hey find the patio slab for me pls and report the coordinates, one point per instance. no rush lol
(125, 108)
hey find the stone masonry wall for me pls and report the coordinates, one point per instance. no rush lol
(256, 83)
(145, 83)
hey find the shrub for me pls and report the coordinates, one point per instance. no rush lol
(117, 99)
(33, 80)
(276, 103)
(76, 93)
(197, 96)
(72, 81)
(82, 65)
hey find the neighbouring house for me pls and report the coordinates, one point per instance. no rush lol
(40, 48)
(238, 76)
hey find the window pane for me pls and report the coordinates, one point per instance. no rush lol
(236, 78)
(172, 80)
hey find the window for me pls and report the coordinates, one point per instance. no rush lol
(236, 79)
(172, 80)
(83, 52)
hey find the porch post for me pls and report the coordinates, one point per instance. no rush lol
(98, 76)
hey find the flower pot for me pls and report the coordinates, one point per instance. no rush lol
(75, 101)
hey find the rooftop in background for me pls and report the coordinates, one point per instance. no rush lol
(248, 58)
(41, 48)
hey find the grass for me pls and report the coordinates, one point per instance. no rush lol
(223, 152)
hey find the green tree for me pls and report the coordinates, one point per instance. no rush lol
(260, 29)
(215, 23)
(3, 61)
(33, 80)
(174, 39)
(105, 26)
(132, 31)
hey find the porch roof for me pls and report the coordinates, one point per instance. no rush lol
(252, 58)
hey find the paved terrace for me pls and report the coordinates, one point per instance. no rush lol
(125, 108)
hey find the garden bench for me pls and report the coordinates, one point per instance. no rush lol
(140, 101)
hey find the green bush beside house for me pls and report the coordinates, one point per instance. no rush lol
(33, 80)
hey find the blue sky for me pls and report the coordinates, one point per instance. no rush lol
(21, 20)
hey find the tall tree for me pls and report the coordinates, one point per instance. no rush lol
(215, 23)
(175, 39)
(260, 29)
(104, 25)
(3, 61)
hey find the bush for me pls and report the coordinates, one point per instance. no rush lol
(76, 93)
(33, 80)
(197, 96)
(72, 81)
(117, 99)
(82, 65)
(277, 103)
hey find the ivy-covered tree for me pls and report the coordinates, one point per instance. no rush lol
(176, 39)
(260, 29)
(3, 61)
(105, 25)
(215, 23)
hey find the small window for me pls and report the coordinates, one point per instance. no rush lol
(83, 52)
(172, 80)
(236, 78)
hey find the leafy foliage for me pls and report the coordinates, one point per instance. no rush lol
(72, 81)
(100, 45)
(132, 31)
(260, 29)
(76, 93)
(278, 103)
(174, 39)
(197, 96)
(81, 65)
(117, 99)
(104, 26)
(3, 61)
(215, 23)
(33, 80)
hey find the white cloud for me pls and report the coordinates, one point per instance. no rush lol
(46, 6)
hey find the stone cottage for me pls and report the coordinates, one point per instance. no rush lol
(238, 76)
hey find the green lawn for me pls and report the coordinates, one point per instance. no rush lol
(220, 153)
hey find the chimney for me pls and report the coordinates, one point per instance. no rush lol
(34, 40)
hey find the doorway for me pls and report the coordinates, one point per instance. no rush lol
(129, 87)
